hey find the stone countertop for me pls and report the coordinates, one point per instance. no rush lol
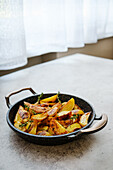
(88, 77)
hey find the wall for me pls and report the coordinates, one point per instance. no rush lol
(103, 48)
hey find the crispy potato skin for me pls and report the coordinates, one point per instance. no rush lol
(50, 117)
(73, 127)
(22, 115)
(43, 133)
(57, 128)
(68, 106)
(84, 119)
(49, 99)
(64, 115)
(39, 117)
(36, 109)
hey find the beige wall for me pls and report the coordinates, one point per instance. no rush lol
(103, 48)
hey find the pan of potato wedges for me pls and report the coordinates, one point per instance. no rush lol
(52, 118)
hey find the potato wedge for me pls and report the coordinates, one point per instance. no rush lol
(49, 99)
(73, 127)
(63, 115)
(77, 112)
(35, 109)
(39, 117)
(84, 119)
(22, 115)
(43, 133)
(42, 128)
(33, 128)
(69, 105)
(53, 111)
(67, 122)
(18, 126)
(57, 128)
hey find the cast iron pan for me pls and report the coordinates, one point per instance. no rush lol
(57, 139)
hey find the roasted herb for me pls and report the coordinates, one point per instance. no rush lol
(34, 112)
(75, 116)
(58, 97)
(30, 121)
(39, 97)
(27, 107)
(23, 124)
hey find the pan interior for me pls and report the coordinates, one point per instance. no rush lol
(85, 106)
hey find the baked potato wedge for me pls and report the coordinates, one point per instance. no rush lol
(84, 119)
(73, 127)
(77, 112)
(68, 106)
(64, 115)
(51, 99)
(42, 128)
(33, 127)
(43, 133)
(35, 109)
(22, 115)
(56, 127)
(39, 117)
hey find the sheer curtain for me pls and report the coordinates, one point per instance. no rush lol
(34, 27)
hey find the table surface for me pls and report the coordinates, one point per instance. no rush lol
(88, 77)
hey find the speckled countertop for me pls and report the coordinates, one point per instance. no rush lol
(85, 76)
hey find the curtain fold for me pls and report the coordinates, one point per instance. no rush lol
(34, 27)
(12, 36)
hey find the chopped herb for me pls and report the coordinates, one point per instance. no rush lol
(27, 107)
(58, 97)
(39, 113)
(39, 97)
(23, 124)
(34, 112)
(30, 121)
(75, 116)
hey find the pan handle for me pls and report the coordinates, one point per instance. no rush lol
(7, 98)
(97, 126)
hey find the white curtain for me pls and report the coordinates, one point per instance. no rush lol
(34, 27)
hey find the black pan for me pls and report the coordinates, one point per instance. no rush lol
(57, 139)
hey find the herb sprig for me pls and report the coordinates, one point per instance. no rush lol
(23, 124)
(58, 97)
(39, 97)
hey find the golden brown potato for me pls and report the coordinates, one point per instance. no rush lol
(56, 127)
(49, 99)
(64, 115)
(73, 127)
(41, 128)
(43, 133)
(39, 117)
(33, 127)
(68, 106)
(84, 119)
(35, 109)
(68, 122)
(77, 111)
(22, 115)
(19, 126)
